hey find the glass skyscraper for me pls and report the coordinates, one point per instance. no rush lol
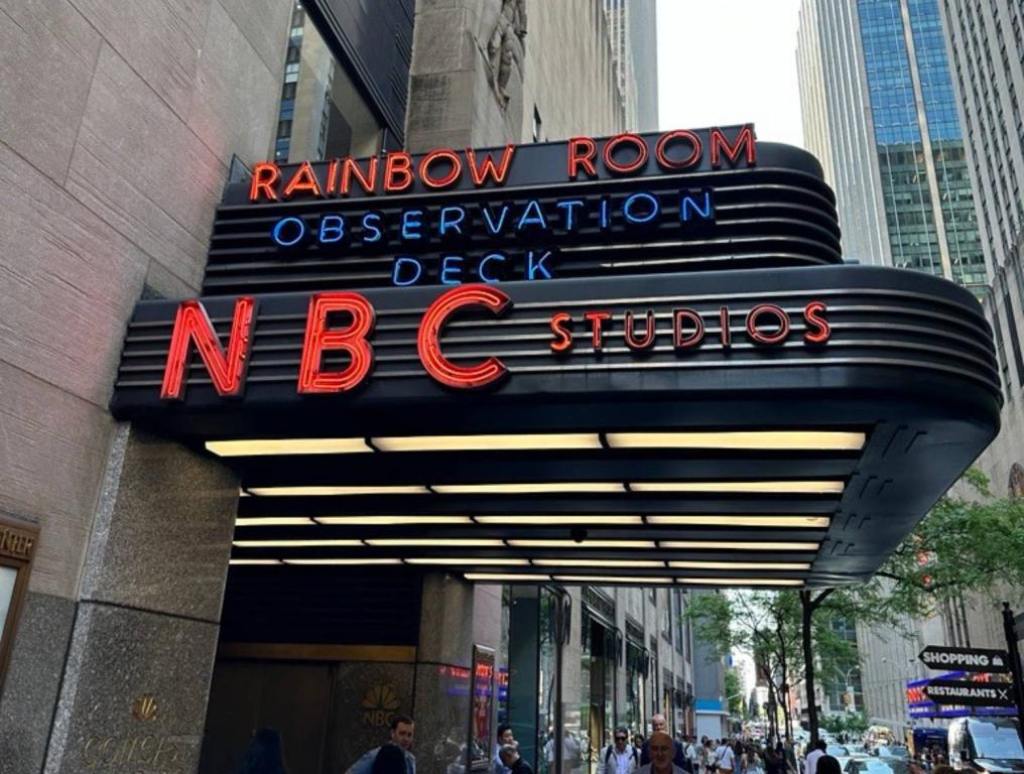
(887, 59)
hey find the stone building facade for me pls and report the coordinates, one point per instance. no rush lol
(119, 126)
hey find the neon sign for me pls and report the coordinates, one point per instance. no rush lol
(623, 154)
(534, 227)
(766, 325)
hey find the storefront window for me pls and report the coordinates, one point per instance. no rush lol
(665, 613)
(8, 575)
(633, 711)
(17, 544)
(547, 687)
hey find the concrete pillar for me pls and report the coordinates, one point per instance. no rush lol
(134, 687)
(454, 616)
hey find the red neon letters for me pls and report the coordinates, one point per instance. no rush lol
(428, 342)
(766, 325)
(438, 169)
(449, 177)
(395, 172)
(488, 169)
(744, 142)
(227, 370)
(351, 339)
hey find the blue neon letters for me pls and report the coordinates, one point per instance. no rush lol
(443, 231)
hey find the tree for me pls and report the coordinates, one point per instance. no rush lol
(967, 543)
(734, 693)
(769, 626)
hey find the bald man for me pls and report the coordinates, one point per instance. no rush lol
(660, 725)
(662, 749)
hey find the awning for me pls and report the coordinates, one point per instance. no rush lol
(774, 427)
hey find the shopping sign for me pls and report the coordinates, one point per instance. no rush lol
(969, 693)
(965, 659)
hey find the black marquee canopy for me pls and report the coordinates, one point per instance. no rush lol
(637, 359)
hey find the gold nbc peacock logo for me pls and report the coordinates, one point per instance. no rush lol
(144, 707)
(379, 703)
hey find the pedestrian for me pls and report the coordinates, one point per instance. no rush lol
(725, 758)
(513, 761)
(504, 737)
(812, 758)
(740, 752)
(264, 755)
(661, 747)
(390, 759)
(826, 764)
(660, 726)
(402, 728)
(693, 754)
(620, 757)
(774, 762)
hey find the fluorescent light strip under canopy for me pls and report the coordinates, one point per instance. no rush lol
(436, 542)
(285, 446)
(724, 520)
(804, 440)
(368, 521)
(530, 543)
(534, 487)
(555, 521)
(245, 562)
(329, 491)
(343, 562)
(481, 561)
(807, 440)
(740, 581)
(730, 520)
(490, 577)
(638, 564)
(520, 442)
(732, 565)
(741, 545)
(599, 579)
(274, 521)
(297, 543)
(562, 487)
(755, 487)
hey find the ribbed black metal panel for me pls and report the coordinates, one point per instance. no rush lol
(880, 318)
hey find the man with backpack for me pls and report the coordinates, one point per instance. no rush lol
(620, 757)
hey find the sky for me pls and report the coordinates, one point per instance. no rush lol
(726, 62)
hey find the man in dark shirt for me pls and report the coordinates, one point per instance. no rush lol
(510, 757)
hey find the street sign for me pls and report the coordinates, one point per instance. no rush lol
(970, 694)
(966, 659)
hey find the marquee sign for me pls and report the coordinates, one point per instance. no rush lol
(636, 193)
(518, 313)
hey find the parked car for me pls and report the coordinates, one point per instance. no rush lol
(877, 765)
